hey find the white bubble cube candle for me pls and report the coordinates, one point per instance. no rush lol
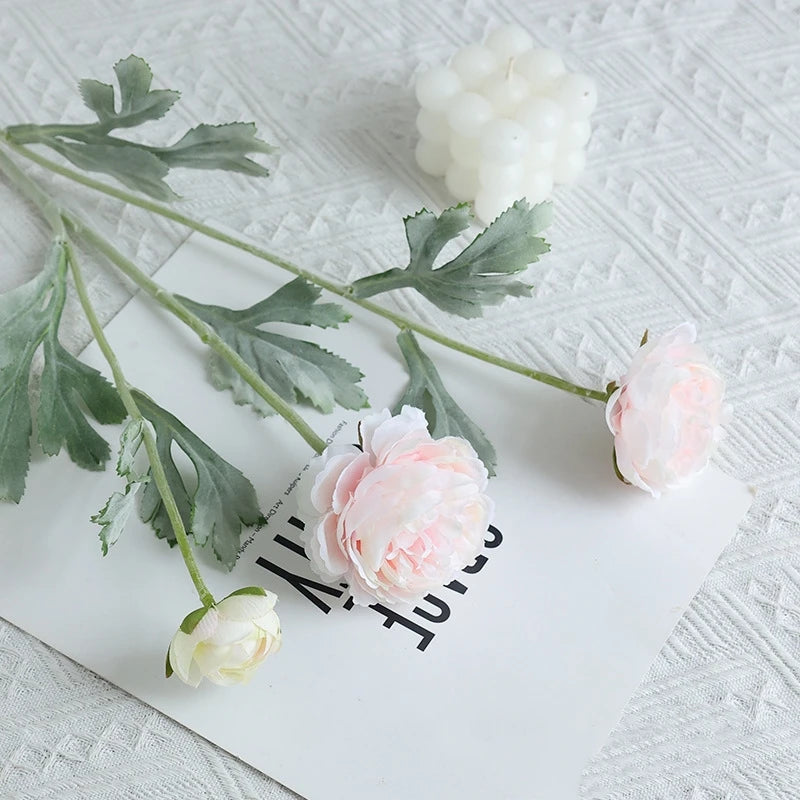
(503, 121)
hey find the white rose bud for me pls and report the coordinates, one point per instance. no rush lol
(226, 642)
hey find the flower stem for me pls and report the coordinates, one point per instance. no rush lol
(49, 208)
(40, 134)
(345, 292)
(205, 333)
(379, 283)
(53, 214)
(156, 465)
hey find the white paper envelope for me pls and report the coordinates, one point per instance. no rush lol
(500, 687)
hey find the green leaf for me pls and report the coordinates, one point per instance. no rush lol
(295, 302)
(117, 511)
(220, 504)
(66, 384)
(151, 508)
(168, 671)
(114, 515)
(445, 417)
(130, 164)
(256, 590)
(293, 368)
(482, 273)
(69, 389)
(138, 103)
(99, 97)
(143, 167)
(218, 147)
(192, 619)
(645, 336)
(130, 442)
(25, 313)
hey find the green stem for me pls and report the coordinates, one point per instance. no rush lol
(542, 377)
(53, 214)
(49, 208)
(165, 298)
(169, 213)
(43, 134)
(51, 136)
(205, 333)
(156, 465)
(335, 288)
(379, 283)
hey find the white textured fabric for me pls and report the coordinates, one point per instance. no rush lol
(690, 209)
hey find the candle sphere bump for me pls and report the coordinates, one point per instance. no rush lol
(503, 120)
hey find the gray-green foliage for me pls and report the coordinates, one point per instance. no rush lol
(29, 316)
(445, 417)
(295, 369)
(214, 506)
(114, 516)
(143, 167)
(482, 274)
(138, 103)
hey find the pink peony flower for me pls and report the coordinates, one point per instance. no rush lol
(401, 517)
(667, 412)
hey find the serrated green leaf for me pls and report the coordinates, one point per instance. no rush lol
(294, 368)
(66, 383)
(481, 274)
(220, 504)
(140, 166)
(29, 315)
(130, 441)
(114, 515)
(131, 165)
(117, 511)
(138, 103)
(99, 97)
(25, 314)
(15, 431)
(295, 302)
(218, 147)
(427, 234)
(445, 417)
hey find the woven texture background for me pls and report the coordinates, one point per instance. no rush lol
(690, 209)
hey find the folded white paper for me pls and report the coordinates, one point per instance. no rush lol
(501, 686)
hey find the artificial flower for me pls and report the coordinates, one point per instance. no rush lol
(227, 641)
(400, 515)
(667, 412)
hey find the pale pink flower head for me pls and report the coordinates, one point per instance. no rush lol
(667, 413)
(400, 516)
